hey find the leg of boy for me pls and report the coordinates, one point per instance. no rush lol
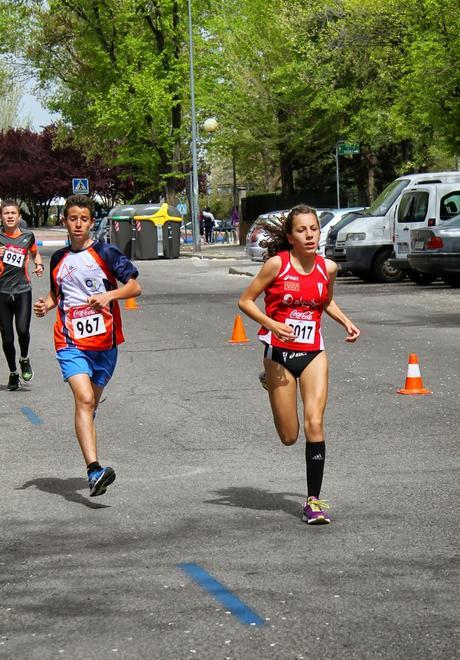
(87, 396)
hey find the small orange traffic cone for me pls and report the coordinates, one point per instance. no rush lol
(414, 383)
(239, 333)
(130, 303)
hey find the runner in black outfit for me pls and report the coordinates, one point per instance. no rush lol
(15, 290)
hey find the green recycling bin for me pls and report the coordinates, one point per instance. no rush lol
(157, 231)
(121, 228)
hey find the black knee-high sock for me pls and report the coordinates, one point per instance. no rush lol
(315, 455)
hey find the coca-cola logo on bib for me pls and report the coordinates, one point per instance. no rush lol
(301, 316)
(17, 250)
(82, 313)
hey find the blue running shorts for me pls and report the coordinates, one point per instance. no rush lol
(99, 365)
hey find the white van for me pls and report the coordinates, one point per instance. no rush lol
(368, 240)
(425, 205)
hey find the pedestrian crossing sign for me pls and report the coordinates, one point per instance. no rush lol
(80, 186)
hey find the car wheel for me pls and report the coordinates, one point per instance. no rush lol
(383, 271)
(452, 279)
(420, 278)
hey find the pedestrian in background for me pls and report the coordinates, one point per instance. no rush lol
(298, 286)
(16, 244)
(88, 330)
(209, 224)
(235, 220)
(201, 224)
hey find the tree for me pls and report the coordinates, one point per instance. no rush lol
(34, 170)
(285, 78)
(291, 78)
(116, 70)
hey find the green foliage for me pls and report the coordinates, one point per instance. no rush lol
(285, 78)
(115, 72)
(291, 78)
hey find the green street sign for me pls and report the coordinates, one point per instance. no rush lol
(348, 148)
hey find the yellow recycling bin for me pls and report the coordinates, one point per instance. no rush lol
(157, 231)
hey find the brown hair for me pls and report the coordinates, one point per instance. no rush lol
(82, 201)
(278, 229)
(9, 202)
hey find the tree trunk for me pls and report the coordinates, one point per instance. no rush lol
(371, 164)
(287, 177)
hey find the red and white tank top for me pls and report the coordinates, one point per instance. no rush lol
(297, 300)
(74, 277)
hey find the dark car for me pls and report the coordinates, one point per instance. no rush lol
(337, 252)
(436, 251)
(100, 230)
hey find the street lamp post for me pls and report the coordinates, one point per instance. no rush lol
(194, 186)
(337, 175)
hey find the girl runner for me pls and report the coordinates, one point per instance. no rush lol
(298, 286)
(15, 290)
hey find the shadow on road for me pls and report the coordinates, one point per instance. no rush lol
(66, 488)
(246, 497)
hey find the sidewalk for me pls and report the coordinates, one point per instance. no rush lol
(214, 251)
(57, 236)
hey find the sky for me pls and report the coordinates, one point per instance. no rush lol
(32, 109)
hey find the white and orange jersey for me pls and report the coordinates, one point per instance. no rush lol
(297, 300)
(74, 277)
(14, 274)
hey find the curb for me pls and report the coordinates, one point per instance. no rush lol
(235, 271)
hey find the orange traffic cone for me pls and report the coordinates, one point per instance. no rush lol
(239, 333)
(414, 383)
(130, 303)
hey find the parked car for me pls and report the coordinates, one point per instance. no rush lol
(256, 234)
(100, 230)
(436, 251)
(331, 250)
(329, 219)
(420, 207)
(368, 241)
(186, 233)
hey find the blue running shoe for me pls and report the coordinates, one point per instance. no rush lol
(98, 481)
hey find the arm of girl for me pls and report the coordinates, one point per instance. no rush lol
(37, 259)
(247, 303)
(333, 310)
(39, 267)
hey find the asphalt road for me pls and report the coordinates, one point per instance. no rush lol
(202, 480)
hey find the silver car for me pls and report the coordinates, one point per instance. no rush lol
(436, 251)
(256, 234)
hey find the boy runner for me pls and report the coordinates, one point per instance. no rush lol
(87, 331)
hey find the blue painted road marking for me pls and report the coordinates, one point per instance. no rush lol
(31, 416)
(242, 612)
(60, 243)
